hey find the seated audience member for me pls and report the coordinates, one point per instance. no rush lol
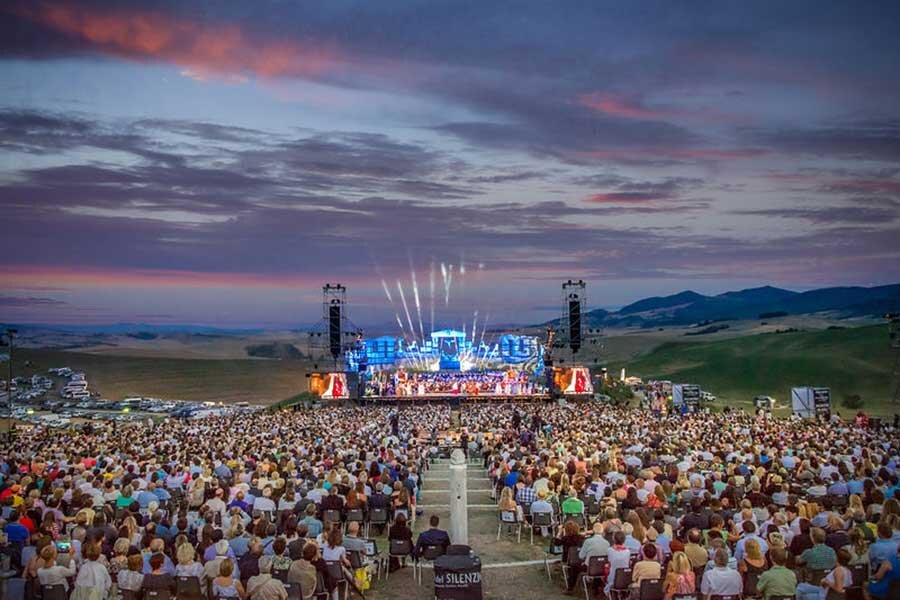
(721, 580)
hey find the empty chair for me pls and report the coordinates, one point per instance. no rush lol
(550, 556)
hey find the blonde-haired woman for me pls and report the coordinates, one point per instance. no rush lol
(679, 576)
(508, 503)
(132, 530)
(853, 506)
(753, 564)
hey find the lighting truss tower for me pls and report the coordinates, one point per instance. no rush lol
(572, 322)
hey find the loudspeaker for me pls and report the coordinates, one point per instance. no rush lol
(574, 322)
(334, 328)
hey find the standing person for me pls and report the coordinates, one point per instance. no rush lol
(395, 424)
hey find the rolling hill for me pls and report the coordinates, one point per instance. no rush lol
(850, 361)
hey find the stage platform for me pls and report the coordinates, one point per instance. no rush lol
(440, 398)
(468, 398)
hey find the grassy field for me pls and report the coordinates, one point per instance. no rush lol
(849, 361)
(226, 380)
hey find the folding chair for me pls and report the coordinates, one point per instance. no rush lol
(293, 590)
(594, 570)
(188, 588)
(321, 591)
(579, 518)
(526, 512)
(571, 566)
(552, 552)
(157, 595)
(541, 519)
(354, 515)
(374, 556)
(621, 585)
(401, 549)
(510, 519)
(377, 517)
(336, 572)
(331, 515)
(429, 554)
(651, 589)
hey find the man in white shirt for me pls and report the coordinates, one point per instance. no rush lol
(720, 580)
(216, 503)
(595, 545)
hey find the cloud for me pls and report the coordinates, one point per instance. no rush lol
(862, 140)
(204, 48)
(29, 301)
(830, 215)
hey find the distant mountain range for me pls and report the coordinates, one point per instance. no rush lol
(688, 308)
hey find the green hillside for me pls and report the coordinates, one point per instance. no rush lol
(849, 361)
(225, 380)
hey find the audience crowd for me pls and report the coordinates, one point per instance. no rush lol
(251, 506)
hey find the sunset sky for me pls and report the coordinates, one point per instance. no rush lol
(217, 162)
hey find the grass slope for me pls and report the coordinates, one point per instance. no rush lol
(849, 361)
(226, 380)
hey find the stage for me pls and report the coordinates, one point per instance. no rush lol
(444, 398)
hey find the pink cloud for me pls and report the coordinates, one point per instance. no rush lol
(632, 107)
(203, 50)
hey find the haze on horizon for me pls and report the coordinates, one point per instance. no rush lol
(211, 163)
